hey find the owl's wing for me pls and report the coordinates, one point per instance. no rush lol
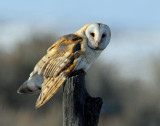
(57, 65)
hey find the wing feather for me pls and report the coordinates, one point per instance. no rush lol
(43, 66)
(52, 85)
(56, 67)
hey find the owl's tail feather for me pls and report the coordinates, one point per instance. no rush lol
(32, 85)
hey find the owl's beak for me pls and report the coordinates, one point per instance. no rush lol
(97, 43)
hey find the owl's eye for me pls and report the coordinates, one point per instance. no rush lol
(104, 35)
(92, 34)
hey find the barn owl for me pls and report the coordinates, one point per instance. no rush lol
(70, 53)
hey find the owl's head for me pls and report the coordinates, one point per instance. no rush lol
(98, 35)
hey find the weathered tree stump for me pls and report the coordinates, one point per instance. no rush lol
(79, 108)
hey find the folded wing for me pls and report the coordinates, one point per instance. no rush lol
(57, 65)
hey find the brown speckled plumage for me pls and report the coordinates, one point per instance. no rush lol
(69, 54)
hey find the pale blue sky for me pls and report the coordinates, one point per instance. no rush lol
(116, 13)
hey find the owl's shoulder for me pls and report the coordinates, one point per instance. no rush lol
(65, 42)
(71, 37)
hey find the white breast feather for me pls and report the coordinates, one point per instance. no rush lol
(86, 59)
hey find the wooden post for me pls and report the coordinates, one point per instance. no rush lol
(79, 108)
